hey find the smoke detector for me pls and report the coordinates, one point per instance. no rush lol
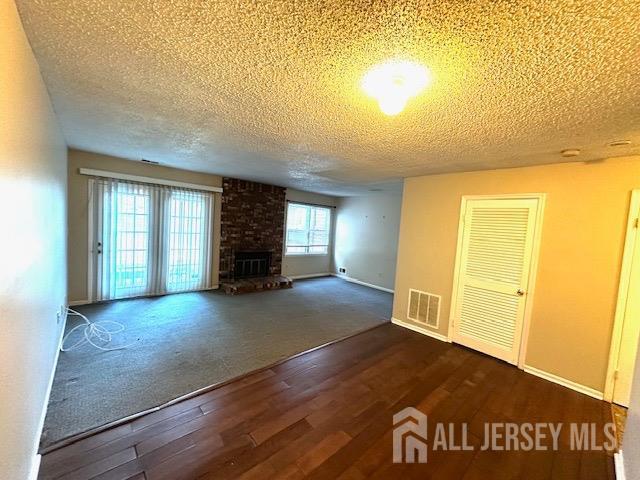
(571, 152)
(620, 143)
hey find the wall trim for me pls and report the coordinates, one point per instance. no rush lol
(35, 467)
(35, 462)
(77, 303)
(623, 291)
(309, 275)
(423, 331)
(618, 462)
(360, 282)
(156, 181)
(592, 392)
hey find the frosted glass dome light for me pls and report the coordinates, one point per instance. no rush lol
(393, 83)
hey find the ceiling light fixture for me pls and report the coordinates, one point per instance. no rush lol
(393, 83)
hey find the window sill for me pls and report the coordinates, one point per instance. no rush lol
(306, 254)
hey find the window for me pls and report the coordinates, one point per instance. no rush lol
(308, 229)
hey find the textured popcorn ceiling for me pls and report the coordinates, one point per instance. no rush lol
(270, 90)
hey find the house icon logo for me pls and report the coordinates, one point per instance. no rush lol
(410, 436)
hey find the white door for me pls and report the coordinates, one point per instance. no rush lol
(631, 318)
(493, 271)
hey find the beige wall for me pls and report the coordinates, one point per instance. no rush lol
(33, 158)
(366, 240)
(300, 265)
(579, 263)
(78, 206)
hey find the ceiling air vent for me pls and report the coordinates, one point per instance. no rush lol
(424, 308)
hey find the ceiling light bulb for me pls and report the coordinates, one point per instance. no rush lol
(393, 83)
(392, 104)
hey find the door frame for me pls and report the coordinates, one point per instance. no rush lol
(533, 270)
(90, 241)
(623, 291)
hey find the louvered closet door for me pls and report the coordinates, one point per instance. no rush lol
(494, 266)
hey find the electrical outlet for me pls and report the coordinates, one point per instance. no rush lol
(342, 270)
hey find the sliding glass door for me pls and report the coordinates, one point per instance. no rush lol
(147, 239)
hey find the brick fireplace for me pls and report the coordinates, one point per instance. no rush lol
(252, 228)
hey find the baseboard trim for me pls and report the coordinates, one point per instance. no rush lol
(618, 462)
(564, 382)
(77, 303)
(424, 331)
(309, 275)
(35, 462)
(35, 467)
(360, 282)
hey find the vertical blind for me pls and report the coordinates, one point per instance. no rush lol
(148, 239)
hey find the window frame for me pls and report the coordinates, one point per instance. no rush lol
(329, 232)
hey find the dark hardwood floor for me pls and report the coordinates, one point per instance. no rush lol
(328, 414)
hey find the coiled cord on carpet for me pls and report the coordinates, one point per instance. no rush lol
(102, 331)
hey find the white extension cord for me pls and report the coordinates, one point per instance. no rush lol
(93, 331)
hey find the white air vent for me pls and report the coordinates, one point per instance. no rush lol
(424, 308)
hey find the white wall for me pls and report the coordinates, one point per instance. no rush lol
(366, 239)
(301, 265)
(33, 173)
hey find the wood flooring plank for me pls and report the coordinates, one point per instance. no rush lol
(328, 446)
(130, 439)
(244, 397)
(96, 468)
(277, 424)
(66, 454)
(196, 461)
(130, 470)
(256, 458)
